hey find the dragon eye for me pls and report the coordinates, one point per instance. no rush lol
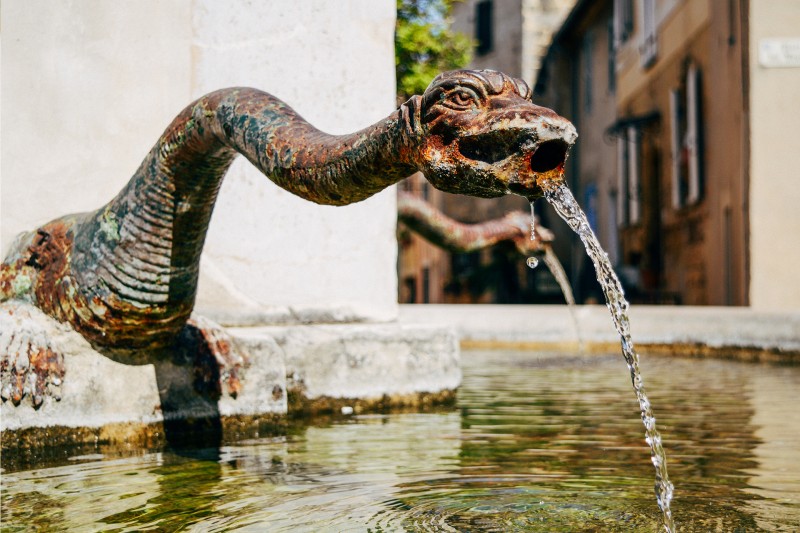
(460, 99)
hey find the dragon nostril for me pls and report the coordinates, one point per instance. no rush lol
(549, 155)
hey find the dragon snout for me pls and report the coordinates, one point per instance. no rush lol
(492, 147)
(554, 143)
(545, 154)
(549, 155)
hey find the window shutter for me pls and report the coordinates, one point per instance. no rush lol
(633, 175)
(649, 46)
(616, 24)
(693, 127)
(675, 147)
(484, 26)
(622, 22)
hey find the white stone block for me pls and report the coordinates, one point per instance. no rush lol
(97, 391)
(366, 361)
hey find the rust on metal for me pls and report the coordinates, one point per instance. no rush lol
(125, 276)
(217, 361)
(38, 370)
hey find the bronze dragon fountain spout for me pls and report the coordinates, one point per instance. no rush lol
(125, 276)
(481, 135)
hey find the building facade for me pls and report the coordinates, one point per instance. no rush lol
(578, 80)
(683, 209)
(511, 36)
(665, 95)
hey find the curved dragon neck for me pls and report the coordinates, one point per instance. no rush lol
(137, 258)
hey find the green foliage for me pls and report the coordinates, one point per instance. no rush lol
(425, 45)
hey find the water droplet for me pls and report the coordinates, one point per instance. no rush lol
(533, 231)
(532, 262)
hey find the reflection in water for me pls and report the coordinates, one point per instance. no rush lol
(539, 442)
(567, 208)
(180, 479)
(776, 476)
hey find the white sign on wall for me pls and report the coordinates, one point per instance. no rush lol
(779, 52)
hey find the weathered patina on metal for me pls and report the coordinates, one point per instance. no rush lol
(454, 236)
(125, 276)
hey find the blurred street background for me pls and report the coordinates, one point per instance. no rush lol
(687, 158)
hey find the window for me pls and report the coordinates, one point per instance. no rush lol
(693, 135)
(590, 202)
(686, 140)
(623, 21)
(484, 26)
(649, 46)
(622, 179)
(410, 283)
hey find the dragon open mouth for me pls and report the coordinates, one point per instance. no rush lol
(501, 145)
(549, 155)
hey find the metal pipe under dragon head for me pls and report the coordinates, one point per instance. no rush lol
(482, 135)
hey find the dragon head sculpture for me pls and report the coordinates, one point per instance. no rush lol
(481, 135)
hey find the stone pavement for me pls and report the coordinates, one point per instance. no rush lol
(719, 331)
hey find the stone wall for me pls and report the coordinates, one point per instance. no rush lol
(774, 190)
(88, 87)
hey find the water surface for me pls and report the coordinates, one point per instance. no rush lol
(537, 442)
(567, 208)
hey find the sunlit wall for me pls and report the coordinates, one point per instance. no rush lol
(88, 87)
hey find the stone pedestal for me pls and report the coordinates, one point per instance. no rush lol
(293, 369)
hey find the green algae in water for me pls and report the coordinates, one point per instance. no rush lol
(537, 442)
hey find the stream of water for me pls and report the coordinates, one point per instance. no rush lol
(567, 208)
(555, 267)
(552, 262)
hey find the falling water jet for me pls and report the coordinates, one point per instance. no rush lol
(555, 267)
(567, 208)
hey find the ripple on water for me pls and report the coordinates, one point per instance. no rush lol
(504, 503)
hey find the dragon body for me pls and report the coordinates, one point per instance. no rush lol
(125, 276)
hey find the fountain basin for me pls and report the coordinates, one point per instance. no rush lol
(539, 441)
(325, 368)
